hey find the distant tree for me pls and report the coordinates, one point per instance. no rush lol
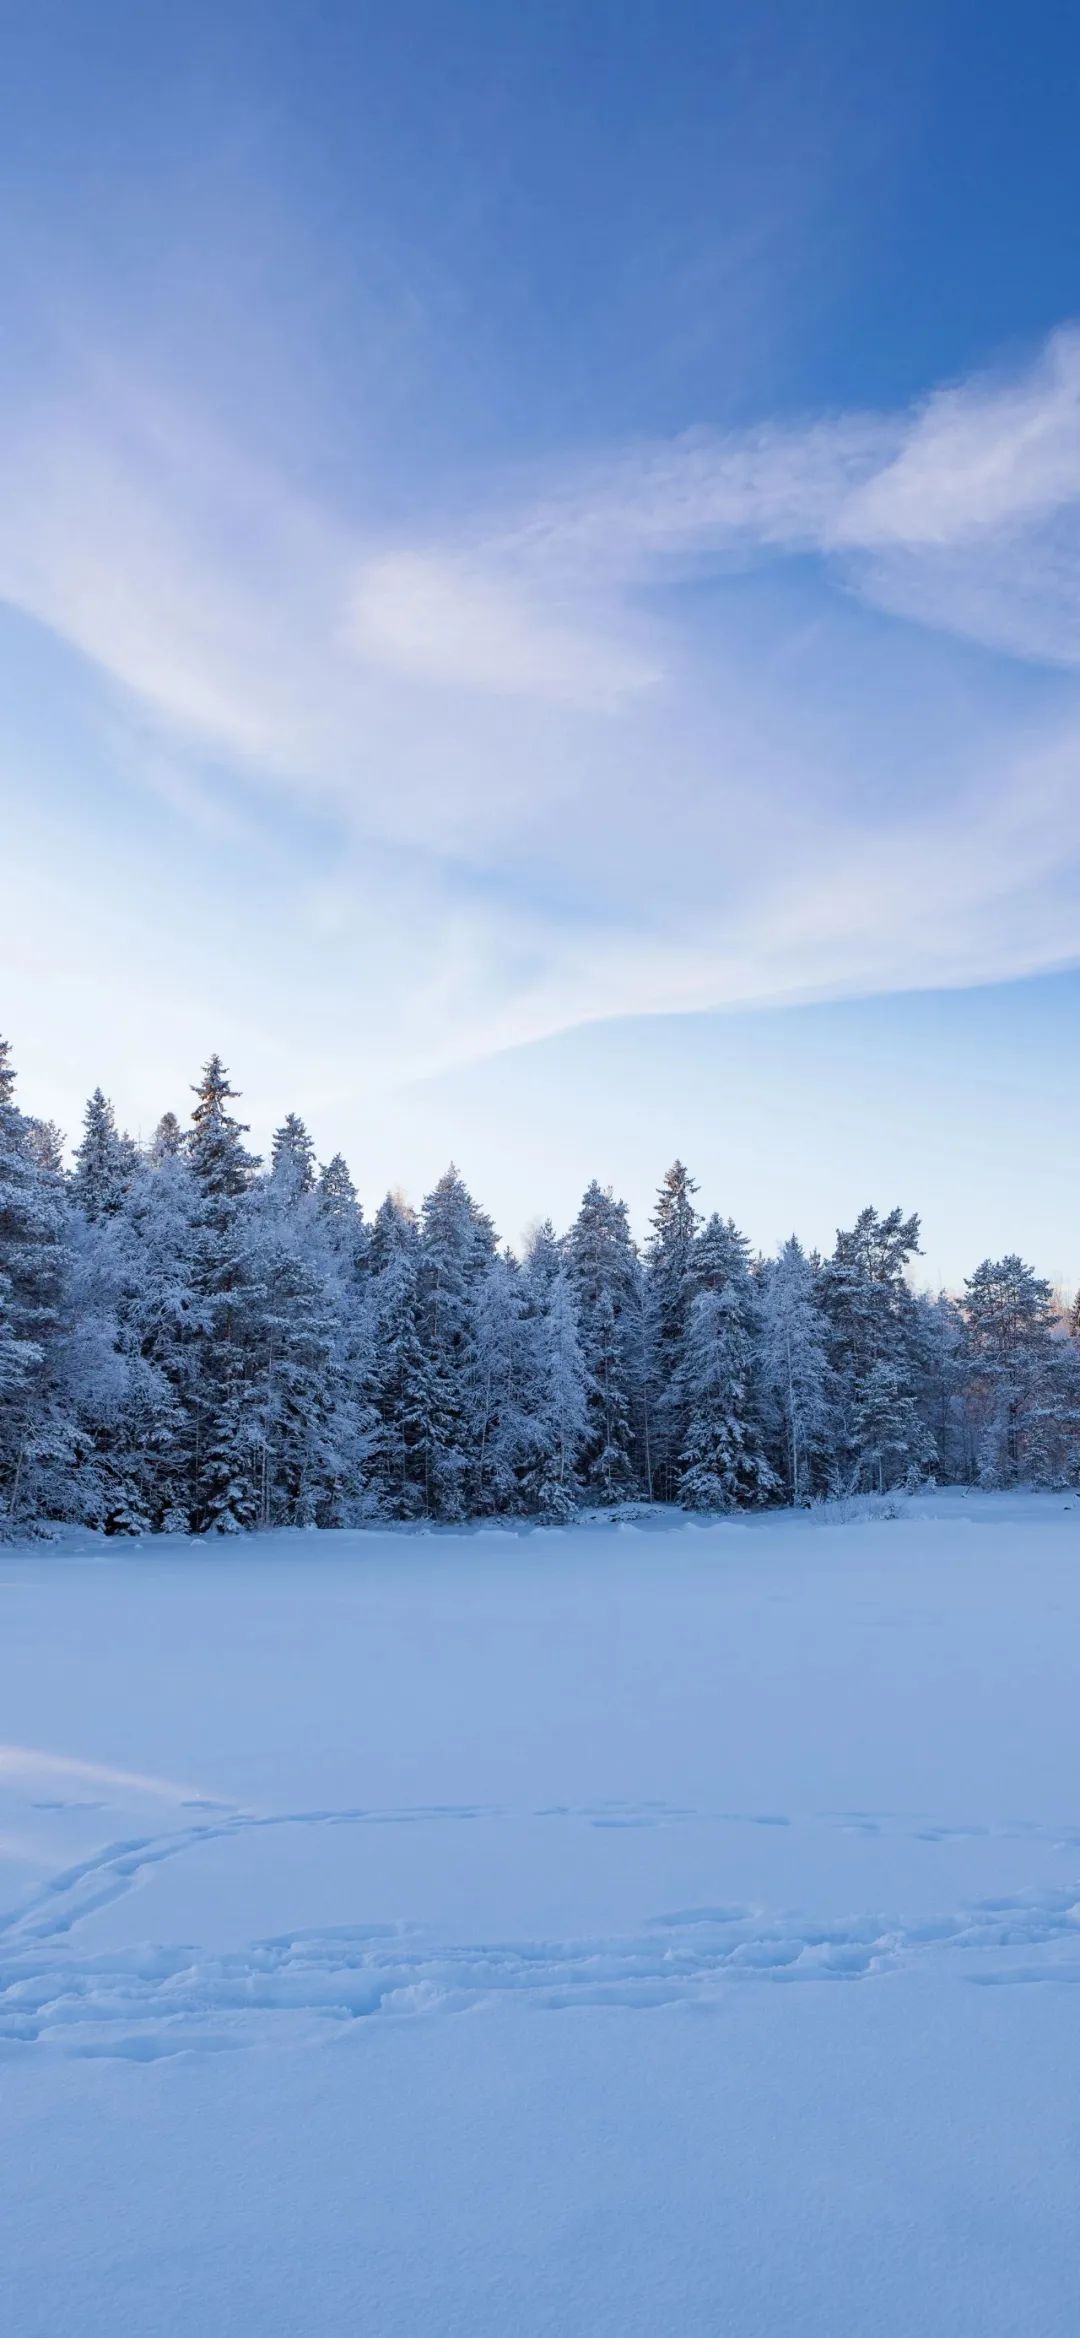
(669, 1288)
(722, 1461)
(457, 1245)
(1021, 1390)
(292, 1159)
(400, 1382)
(223, 1493)
(105, 1162)
(601, 1265)
(38, 1444)
(795, 1374)
(873, 1331)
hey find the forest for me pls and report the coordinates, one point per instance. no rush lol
(194, 1341)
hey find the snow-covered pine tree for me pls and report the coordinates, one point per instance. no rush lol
(893, 1443)
(942, 1353)
(719, 1266)
(292, 1159)
(503, 1394)
(601, 1264)
(669, 1293)
(794, 1374)
(105, 1162)
(46, 1142)
(38, 1446)
(873, 1321)
(163, 1318)
(336, 1195)
(344, 1241)
(168, 1138)
(1020, 1381)
(722, 1461)
(308, 1359)
(222, 1495)
(557, 1386)
(457, 1244)
(399, 1387)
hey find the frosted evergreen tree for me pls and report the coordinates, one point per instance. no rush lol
(721, 1462)
(718, 1264)
(794, 1373)
(38, 1445)
(336, 1195)
(670, 1288)
(308, 1346)
(558, 1382)
(721, 1257)
(225, 1433)
(168, 1138)
(942, 1384)
(292, 1159)
(306, 1457)
(457, 1244)
(873, 1322)
(164, 1319)
(601, 1264)
(46, 1142)
(113, 1393)
(105, 1162)
(504, 1392)
(344, 1245)
(399, 1387)
(1021, 1381)
(893, 1444)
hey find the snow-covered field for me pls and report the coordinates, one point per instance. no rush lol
(634, 1930)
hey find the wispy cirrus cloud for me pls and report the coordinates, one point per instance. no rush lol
(578, 769)
(962, 514)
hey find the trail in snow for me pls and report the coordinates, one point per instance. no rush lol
(150, 2000)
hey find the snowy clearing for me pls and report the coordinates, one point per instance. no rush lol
(394, 1927)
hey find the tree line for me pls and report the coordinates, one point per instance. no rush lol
(191, 1340)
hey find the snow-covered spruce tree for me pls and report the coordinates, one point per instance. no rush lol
(111, 1391)
(942, 1357)
(722, 1462)
(457, 1244)
(105, 1162)
(1022, 1393)
(162, 1320)
(893, 1442)
(602, 1268)
(222, 1494)
(338, 1206)
(399, 1386)
(874, 1326)
(794, 1374)
(168, 1138)
(38, 1444)
(344, 1246)
(505, 1395)
(670, 1288)
(719, 1268)
(306, 1365)
(292, 1159)
(298, 1401)
(557, 1382)
(46, 1142)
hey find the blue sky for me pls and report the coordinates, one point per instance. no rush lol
(540, 593)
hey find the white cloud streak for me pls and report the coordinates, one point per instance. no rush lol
(587, 794)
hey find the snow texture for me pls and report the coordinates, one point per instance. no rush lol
(626, 1929)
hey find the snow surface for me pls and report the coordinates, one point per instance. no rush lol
(639, 1929)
